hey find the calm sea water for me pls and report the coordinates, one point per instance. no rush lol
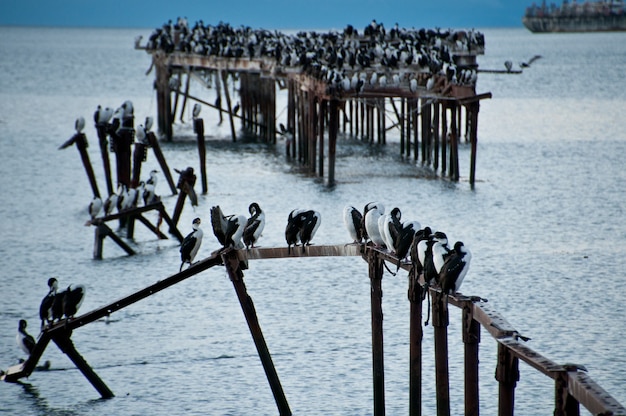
(545, 223)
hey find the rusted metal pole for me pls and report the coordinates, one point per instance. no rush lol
(415, 345)
(233, 268)
(376, 275)
(104, 150)
(66, 345)
(440, 325)
(154, 143)
(471, 340)
(198, 127)
(81, 144)
(507, 375)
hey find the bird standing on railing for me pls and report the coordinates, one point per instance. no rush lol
(228, 228)
(374, 211)
(455, 269)
(47, 303)
(353, 220)
(73, 298)
(311, 221)
(191, 244)
(254, 226)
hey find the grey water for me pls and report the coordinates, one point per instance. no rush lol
(545, 223)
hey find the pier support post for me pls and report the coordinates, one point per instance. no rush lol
(440, 325)
(154, 143)
(233, 268)
(507, 374)
(66, 345)
(471, 340)
(81, 144)
(198, 127)
(186, 182)
(376, 275)
(474, 140)
(415, 344)
(101, 128)
(565, 403)
(333, 127)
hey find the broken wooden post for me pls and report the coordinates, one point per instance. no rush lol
(66, 345)
(103, 231)
(507, 375)
(440, 325)
(471, 341)
(101, 128)
(198, 128)
(139, 156)
(333, 127)
(154, 144)
(235, 273)
(376, 296)
(416, 333)
(186, 182)
(81, 144)
(229, 106)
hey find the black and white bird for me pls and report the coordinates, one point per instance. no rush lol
(24, 340)
(95, 206)
(375, 211)
(73, 298)
(426, 255)
(389, 226)
(423, 234)
(353, 221)
(46, 312)
(110, 203)
(311, 221)
(254, 225)
(405, 238)
(191, 244)
(79, 124)
(228, 229)
(455, 269)
(293, 228)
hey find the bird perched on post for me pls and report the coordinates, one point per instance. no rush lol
(228, 229)
(311, 221)
(375, 210)
(46, 312)
(95, 206)
(254, 226)
(73, 297)
(293, 228)
(353, 220)
(24, 340)
(454, 269)
(191, 244)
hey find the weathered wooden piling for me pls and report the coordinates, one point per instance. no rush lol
(442, 377)
(416, 295)
(81, 144)
(156, 148)
(376, 297)
(186, 182)
(233, 268)
(471, 341)
(198, 128)
(101, 128)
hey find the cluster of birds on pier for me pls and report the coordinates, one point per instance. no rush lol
(125, 198)
(347, 61)
(429, 252)
(55, 306)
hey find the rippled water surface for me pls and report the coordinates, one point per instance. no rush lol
(545, 224)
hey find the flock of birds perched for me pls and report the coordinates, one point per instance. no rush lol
(55, 306)
(429, 252)
(346, 60)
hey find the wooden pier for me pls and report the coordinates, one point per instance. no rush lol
(572, 386)
(421, 83)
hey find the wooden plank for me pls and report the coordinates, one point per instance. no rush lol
(595, 399)
(258, 253)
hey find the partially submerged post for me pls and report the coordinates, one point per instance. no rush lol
(81, 144)
(235, 273)
(198, 128)
(186, 182)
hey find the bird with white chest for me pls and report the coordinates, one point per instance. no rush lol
(254, 225)
(24, 340)
(191, 244)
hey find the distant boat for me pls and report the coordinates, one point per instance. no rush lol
(587, 16)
